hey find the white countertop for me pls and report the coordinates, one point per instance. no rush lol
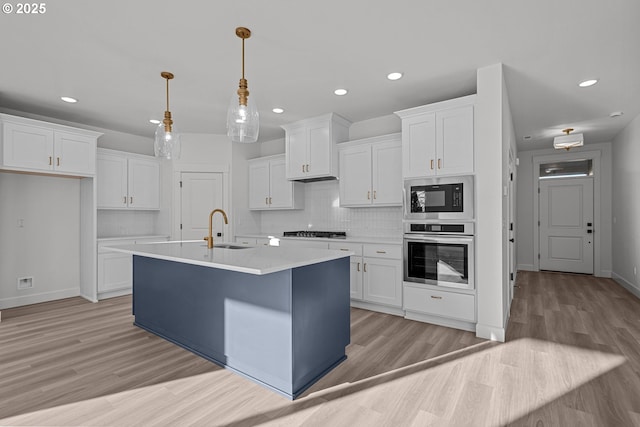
(136, 237)
(252, 260)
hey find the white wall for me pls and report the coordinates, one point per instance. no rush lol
(526, 231)
(492, 141)
(46, 245)
(626, 207)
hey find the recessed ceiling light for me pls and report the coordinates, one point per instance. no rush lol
(616, 114)
(340, 92)
(278, 110)
(588, 83)
(154, 121)
(394, 76)
(69, 99)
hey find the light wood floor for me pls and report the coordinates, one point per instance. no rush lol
(572, 357)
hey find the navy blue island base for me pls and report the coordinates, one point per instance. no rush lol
(284, 330)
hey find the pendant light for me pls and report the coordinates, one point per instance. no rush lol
(242, 117)
(167, 140)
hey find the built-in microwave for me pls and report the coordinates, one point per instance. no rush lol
(439, 198)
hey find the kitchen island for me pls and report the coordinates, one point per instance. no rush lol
(278, 316)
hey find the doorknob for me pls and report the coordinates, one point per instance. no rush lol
(589, 224)
(589, 231)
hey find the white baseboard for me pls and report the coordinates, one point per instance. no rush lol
(490, 332)
(112, 294)
(38, 298)
(527, 267)
(625, 284)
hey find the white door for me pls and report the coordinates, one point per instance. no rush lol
(566, 225)
(200, 194)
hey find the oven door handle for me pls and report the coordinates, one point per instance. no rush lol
(451, 238)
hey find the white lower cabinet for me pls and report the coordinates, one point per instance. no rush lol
(442, 307)
(115, 269)
(376, 272)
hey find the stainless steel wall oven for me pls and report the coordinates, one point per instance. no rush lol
(440, 254)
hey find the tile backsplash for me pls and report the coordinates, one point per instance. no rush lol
(323, 212)
(116, 223)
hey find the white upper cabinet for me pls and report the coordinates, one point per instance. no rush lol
(310, 145)
(269, 187)
(437, 139)
(371, 172)
(40, 147)
(127, 181)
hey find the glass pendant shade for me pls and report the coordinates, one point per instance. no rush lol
(243, 123)
(167, 144)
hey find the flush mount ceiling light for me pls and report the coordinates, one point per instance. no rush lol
(587, 83)
(69, 99)
(243, 122)
(340, 92)
(167, 140)
(568, 141)
(278, 110)
(394, 76)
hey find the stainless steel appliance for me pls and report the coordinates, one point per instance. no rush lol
(313, 233)
(438, 198)
(440, 254)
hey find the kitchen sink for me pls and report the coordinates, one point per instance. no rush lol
(229, 246)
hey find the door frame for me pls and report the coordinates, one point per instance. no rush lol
(594, 155)
(176, 175)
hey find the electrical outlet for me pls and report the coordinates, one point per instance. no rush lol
(25, 283)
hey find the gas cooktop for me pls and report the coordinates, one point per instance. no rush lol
(322, 234)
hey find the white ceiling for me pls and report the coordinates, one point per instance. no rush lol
(109, 55)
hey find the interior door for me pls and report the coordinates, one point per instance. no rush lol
(566, 225)
(200, 194)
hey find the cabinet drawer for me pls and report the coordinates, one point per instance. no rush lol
(445, 304)
(103, 245)
(356, 248)
(383, 251)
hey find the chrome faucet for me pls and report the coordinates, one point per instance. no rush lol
(209, 238)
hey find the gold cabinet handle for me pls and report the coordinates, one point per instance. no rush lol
(131, 200)
(50, 160)
(374, 194)
(307, 168)
(58, 161)
(435, 297)
(344, 249)
(269, 200)
(365, 267)
(431, 164)
(358, 267)
(125, 200)
(266, 200)
(302, 168)
(368, 195)
(381, 252)
(439, 163)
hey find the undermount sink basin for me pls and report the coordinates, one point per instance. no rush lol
(229, 246)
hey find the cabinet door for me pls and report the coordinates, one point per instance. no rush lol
(296, 153)
(419, 146)
(259, 185)
(387, 173)
(319, 151)
(280, 189)
(111, 181)
(27, 147)
(144, 184)
(356, 278)
(454, 134)
(383, 281)
(74, 153)
(115, 272)
(355, 175)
